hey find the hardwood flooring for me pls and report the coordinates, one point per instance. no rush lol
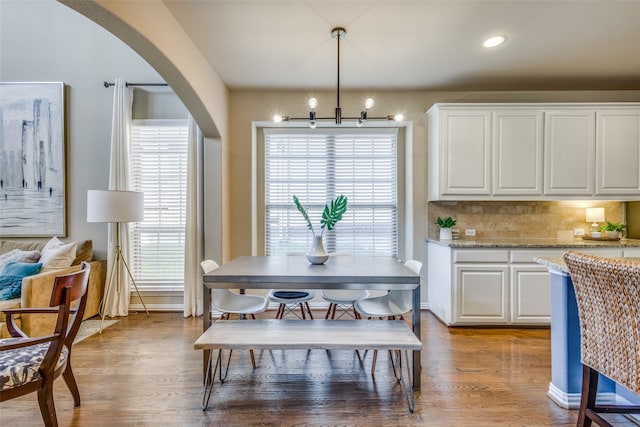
(144, 371)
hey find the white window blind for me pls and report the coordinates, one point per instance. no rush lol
(317, 167)
(159, 170)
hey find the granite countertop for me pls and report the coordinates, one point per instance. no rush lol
(558, 264)
(537, 243)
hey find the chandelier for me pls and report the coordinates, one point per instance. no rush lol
(338, 33)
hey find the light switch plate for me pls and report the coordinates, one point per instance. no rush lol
(578, 231)
(470, 232)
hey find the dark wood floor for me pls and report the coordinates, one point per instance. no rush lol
(144, 371)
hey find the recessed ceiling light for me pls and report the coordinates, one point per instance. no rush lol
(494, 41)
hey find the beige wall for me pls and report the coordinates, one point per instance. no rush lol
(248, 105)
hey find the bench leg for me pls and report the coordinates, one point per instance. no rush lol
(407, 386)
(210, 378)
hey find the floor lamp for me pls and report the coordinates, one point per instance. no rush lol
(116, 207)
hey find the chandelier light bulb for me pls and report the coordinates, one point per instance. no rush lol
(368, 103)
(313, 103)
(277, 118)
(398, 117)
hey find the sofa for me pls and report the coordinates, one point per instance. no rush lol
(36, 289)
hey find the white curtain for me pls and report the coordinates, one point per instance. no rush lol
(194, 226)
(118, 302)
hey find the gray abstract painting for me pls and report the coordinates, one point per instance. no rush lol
(32, 160)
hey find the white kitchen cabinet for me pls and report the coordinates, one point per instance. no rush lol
(465, 147)
(569, 147)
(618, 152)
(517, 147)
(495, 286)
(534, 151)
(530, 294)
(482, 294)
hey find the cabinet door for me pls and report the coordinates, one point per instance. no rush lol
(517, 152)
(465, 145)
(530, 295)
(482, 294)
(569, 145)
(618, 152)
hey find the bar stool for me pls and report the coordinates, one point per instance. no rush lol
(608, 297)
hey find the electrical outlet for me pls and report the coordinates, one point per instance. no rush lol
(578, 231)
(470, 232)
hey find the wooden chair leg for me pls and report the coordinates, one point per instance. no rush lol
(589, 392)
(309, 310)
(71, 383)
(328, 311)
(47, 407)
(304, 317)
(373, 364)
(333, 312)
(253, 359)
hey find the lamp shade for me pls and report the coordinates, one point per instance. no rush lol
(595, 214)
(115, 206)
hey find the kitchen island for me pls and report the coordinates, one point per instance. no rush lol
(482, 282)
(566, 369)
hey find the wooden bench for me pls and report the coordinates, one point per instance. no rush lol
(392, 335)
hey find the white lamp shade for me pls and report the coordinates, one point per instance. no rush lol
(115, 206)
(595, 214)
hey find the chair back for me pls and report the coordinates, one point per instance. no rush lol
(220, 297)
(77, 283)
(208, 265)
(608, 296)
(66, 290)
(404, 299)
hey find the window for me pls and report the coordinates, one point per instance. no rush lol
(159, 170)
(317, 167)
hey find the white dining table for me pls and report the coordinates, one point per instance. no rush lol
(295, 272)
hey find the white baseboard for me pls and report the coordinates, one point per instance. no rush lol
(572, 400)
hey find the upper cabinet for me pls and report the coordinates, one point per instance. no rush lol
(569, 151)
(465, 157)
(618, 152)
(534, 151)
(516, 144)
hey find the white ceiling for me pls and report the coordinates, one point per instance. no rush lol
(420, 44)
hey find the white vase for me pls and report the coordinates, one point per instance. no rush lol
(317, 254)
(446, 234)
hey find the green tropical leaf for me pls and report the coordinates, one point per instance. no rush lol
(331, 215)
(304, 213)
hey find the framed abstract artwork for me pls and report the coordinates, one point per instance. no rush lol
(32, 160)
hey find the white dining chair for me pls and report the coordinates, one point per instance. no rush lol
(392, 306)
(228, 302)
(342, 299)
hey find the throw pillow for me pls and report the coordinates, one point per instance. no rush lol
(84, 252)
(11, 275)
(10, 287)
(57, 255)
(20, 256)
(23, 269)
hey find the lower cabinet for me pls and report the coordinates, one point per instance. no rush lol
(482, 293)
(530, 294)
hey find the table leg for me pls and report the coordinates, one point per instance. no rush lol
(206, 324)
(417, 354)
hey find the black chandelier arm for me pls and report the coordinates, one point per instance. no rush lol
(306, 119)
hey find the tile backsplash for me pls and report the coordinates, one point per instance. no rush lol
(553, 219)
